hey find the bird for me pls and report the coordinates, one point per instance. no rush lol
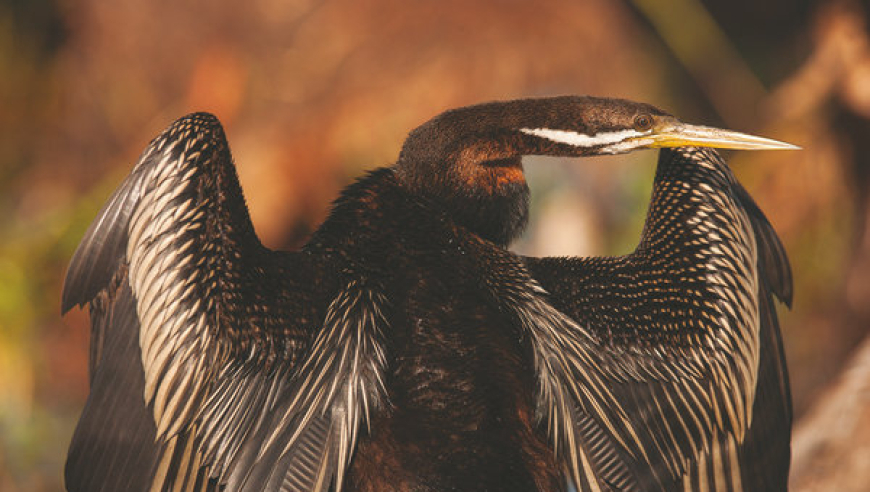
(405, 347)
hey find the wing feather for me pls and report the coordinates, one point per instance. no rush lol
(114, 446)
(203, 377)
(671, 355)
(340, 383)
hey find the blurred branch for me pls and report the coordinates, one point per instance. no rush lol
(838, 67)
(831, 444)
(703, 48)
(837, 78)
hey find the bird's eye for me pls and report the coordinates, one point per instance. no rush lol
(643, 122)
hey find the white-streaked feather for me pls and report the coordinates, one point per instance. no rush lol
(581, 140)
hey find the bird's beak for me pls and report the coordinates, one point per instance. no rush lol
(682, 135)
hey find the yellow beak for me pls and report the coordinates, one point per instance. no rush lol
(682, 135)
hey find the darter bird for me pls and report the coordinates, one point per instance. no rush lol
(404, 348)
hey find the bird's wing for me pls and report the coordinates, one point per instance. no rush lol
(216, 364)
(663, 371)
(765, 453)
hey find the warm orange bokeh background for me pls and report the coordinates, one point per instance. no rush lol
(312, 93)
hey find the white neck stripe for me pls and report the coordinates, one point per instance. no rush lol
(579, 139)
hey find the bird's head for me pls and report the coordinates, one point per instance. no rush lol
(468, 160)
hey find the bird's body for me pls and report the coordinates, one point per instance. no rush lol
(404, 348)
(460, 383)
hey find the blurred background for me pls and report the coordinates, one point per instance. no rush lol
(313, 93)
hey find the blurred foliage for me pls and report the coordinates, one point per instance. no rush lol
(314, 92)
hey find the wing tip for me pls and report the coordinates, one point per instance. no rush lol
(778, 267)
(92, 263)
(200, 121)
(773, 260)
(201, 118)
(77, 291)
(79, 286)
(68, 300)
(785, 293)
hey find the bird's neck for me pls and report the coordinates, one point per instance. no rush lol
(486, 195)
(379, 216)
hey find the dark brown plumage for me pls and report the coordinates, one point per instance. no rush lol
(404, 348)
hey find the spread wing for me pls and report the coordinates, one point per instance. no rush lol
(215, 364)
(664, 369)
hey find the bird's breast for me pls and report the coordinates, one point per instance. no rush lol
(461, 391)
